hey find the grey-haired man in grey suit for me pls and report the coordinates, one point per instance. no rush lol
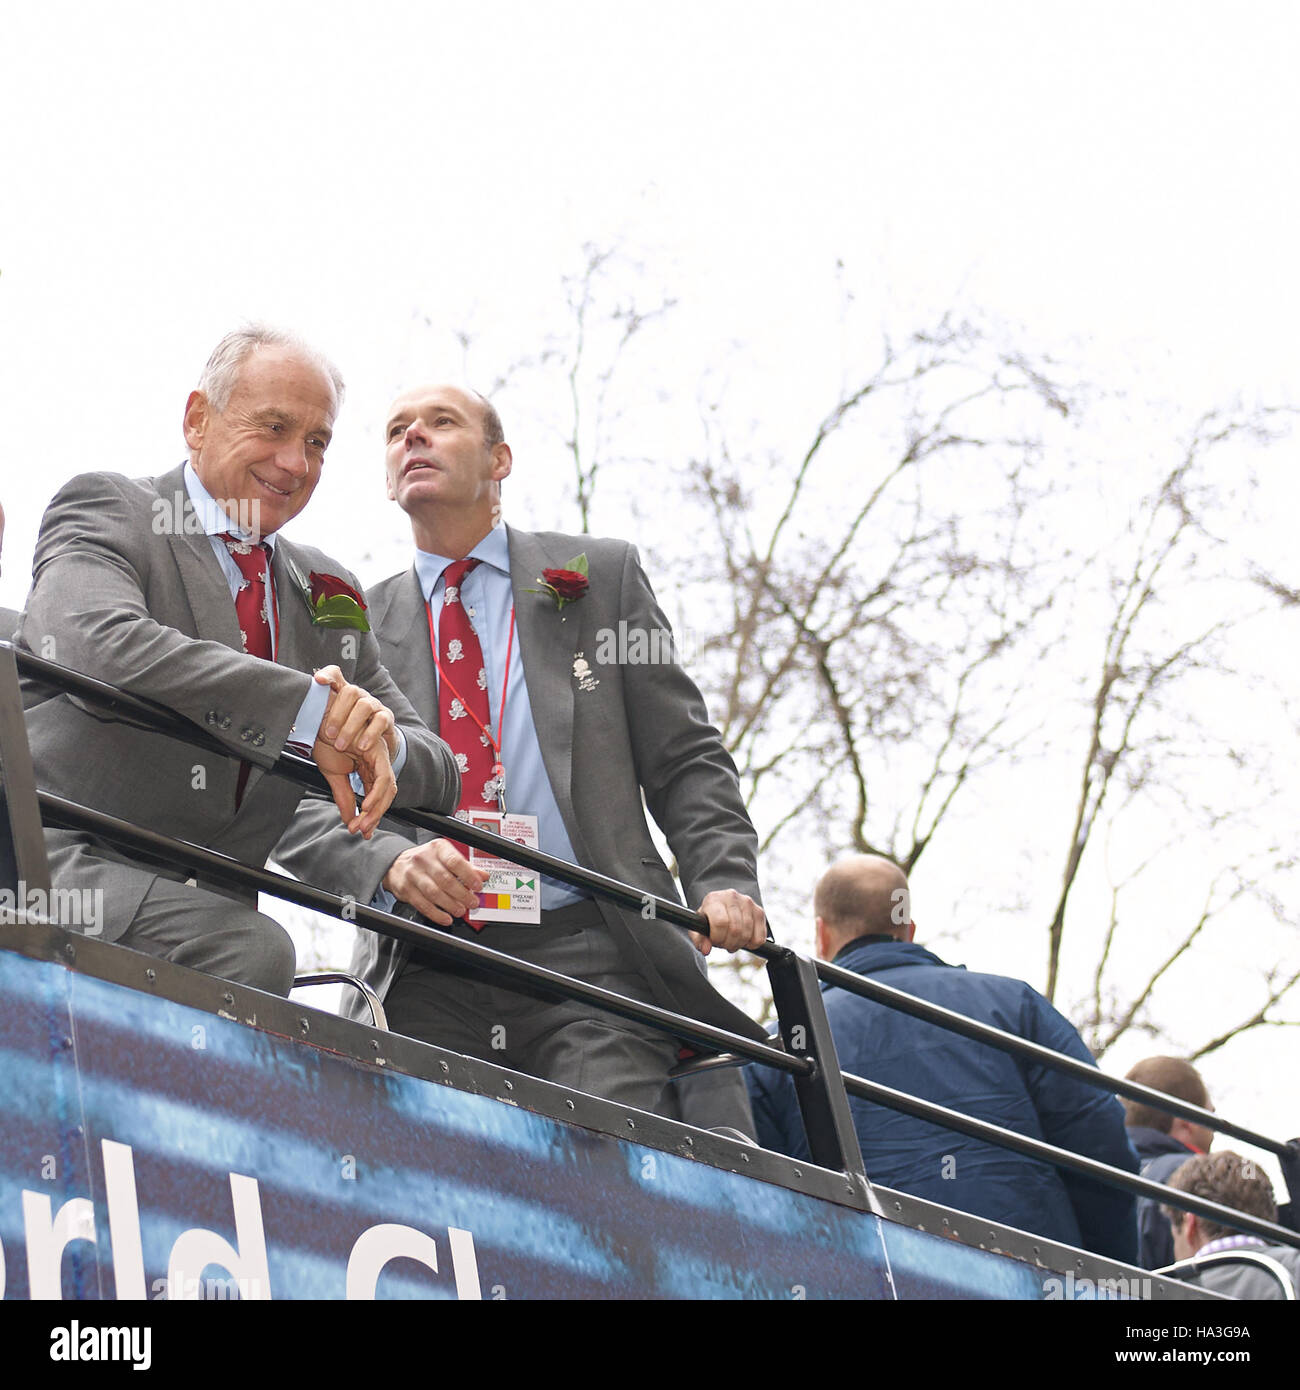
(141, 582)
(582, 739)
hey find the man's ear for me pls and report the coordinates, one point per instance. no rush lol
(909, 932)
(502, 461)
(196, 419)
(821, 939)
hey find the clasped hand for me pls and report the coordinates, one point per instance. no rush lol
(357, 734)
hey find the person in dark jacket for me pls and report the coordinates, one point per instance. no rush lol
(1163, 1142)
(1217, 1258)
(864, 925)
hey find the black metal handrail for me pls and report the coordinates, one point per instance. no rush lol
(813, 1065)
(158, 718)
(305, 773)
(955, 1022)
(822, 1091)
(1063, 1158)
(221, 869)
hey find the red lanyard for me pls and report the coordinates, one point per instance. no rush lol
(498, 769)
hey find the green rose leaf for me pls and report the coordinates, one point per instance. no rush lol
(339, 611)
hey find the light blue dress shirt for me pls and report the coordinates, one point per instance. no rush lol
(488, 601)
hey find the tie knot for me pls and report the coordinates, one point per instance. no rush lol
(454, 574)
(249, 556)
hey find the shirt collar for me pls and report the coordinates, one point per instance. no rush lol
(868, 939)
(211, 517)
(1236, 1242)
(493, 549)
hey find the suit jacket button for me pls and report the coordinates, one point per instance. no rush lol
(258, 740)
(211, 716)
(225, 723)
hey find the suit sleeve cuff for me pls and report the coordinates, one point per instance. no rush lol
(399, 762)
(383, 900)
(306, 724)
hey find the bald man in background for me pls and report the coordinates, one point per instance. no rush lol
(864, 924)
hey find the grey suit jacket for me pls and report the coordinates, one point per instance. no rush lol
(641, 728)
(120, 592)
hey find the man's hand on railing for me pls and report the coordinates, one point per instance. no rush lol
(354, 719)
(437, 880)
(736, 922)
(357, 734)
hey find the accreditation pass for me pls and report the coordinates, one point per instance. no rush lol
(511, 894)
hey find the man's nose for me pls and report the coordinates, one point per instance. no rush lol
(416, 433)
(292, 457)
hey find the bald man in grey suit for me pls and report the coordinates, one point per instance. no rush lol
(583, 740)
(133, 583)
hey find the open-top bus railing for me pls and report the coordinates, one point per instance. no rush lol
(821, 1089)
(1287, 1152)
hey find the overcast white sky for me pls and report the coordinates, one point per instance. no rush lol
(1119, 176)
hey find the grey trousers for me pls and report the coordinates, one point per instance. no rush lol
(569, 1043)
(218, 935)
(157, 912)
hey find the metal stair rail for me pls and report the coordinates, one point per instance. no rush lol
(814, 1065)
(821, 1088)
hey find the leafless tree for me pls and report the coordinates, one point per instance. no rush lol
(871, 612)
(876, 598)
(1176, 591)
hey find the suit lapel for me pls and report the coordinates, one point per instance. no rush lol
(549, 642)
(403, 620)
(299, 645)
(546, 646)
(206, 589)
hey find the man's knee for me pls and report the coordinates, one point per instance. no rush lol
(268, 958)
(615, 1061)
(248, 948)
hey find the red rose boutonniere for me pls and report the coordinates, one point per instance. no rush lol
(565, 585)
(331, 601)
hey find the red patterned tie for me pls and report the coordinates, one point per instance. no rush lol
(463, 711)
(250, 609)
